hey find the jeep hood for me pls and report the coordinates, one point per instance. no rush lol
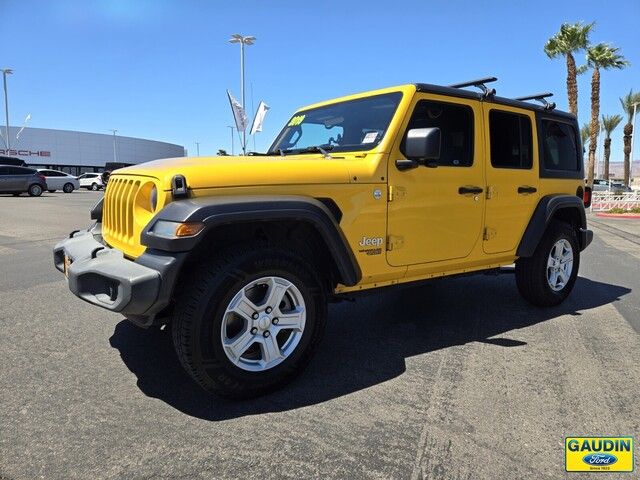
(228, 171)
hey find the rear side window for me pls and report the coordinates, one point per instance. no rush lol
(19, 171)
(559, 146)
(456, 129)
(511, 145)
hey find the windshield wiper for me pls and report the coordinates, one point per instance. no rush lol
(323, 149)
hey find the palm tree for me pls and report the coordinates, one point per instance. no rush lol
(627, 105)
(571, 38)
(584, 137)
(600, 56)
(609, 124)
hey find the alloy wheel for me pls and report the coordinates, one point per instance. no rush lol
(263, 324)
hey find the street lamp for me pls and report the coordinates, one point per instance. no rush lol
(115, 157)
(232, 129)
(5, 72)
(198, 149)
(237, 38)
(633, 122)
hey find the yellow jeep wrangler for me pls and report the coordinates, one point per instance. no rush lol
(239, 255)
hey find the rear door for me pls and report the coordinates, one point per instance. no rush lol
(4, 180)
(512, 175)
(16, 179)
(435, 213)
(55, 180)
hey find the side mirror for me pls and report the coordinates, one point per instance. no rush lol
(423, 144)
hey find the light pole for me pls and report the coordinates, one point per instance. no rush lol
(115, 156)
(232, 129)
(237, 38)
(5, 72)
(198, 149)
(634, 133)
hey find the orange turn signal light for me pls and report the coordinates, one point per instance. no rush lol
(189, 229)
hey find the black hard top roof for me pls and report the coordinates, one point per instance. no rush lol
(462, 93)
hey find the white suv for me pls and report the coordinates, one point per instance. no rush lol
(91, 181)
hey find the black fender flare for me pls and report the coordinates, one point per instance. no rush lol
(541, 217)
(223, 210)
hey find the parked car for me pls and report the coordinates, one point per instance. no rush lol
(620, 188)
(91, 181)
(17, 180)
(57, 180)
(602, 185)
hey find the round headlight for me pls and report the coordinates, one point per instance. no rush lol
(153, 198)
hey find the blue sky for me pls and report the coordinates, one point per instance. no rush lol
(159, 69)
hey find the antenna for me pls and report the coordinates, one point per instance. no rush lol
(540, 97)
(479, 83)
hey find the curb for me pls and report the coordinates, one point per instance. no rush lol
(618, 215)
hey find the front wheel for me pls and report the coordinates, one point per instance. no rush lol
(68, 188)
(94, 187)
(249, 321)
(35, 190)
(547, 278)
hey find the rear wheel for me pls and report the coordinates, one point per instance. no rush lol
(249, 321)
(35, 190)
(67, 188)
(547, 278)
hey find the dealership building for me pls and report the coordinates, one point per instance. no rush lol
(80, 152)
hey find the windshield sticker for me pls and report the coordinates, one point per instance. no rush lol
(297, 120)
(370, 137)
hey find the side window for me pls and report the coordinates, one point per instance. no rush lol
(19, 171)
(456, 129)
(559, 146)
(510, 135)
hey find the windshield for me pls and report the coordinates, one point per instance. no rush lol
(346, 126)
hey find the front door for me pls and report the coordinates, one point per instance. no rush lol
(435, 212)
(512, 176)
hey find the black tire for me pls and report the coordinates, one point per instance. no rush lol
(531, 273)
(95, 187)
(197, 322)
(16, 194)
(67, 188)
(51, 191)
(35, 190)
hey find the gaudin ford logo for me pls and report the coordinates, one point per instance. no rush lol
(599, 454)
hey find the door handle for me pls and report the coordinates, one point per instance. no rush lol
(526, 189)
(470, 189)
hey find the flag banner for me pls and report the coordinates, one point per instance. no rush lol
(239, 114)
(258, 120)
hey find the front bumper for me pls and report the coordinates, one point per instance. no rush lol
(102, 276)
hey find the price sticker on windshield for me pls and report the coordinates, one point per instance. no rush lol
(297, 120)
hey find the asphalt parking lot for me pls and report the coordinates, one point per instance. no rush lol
(458, 378)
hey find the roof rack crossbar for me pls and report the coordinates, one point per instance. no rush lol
(540, 97)
(479, 83)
